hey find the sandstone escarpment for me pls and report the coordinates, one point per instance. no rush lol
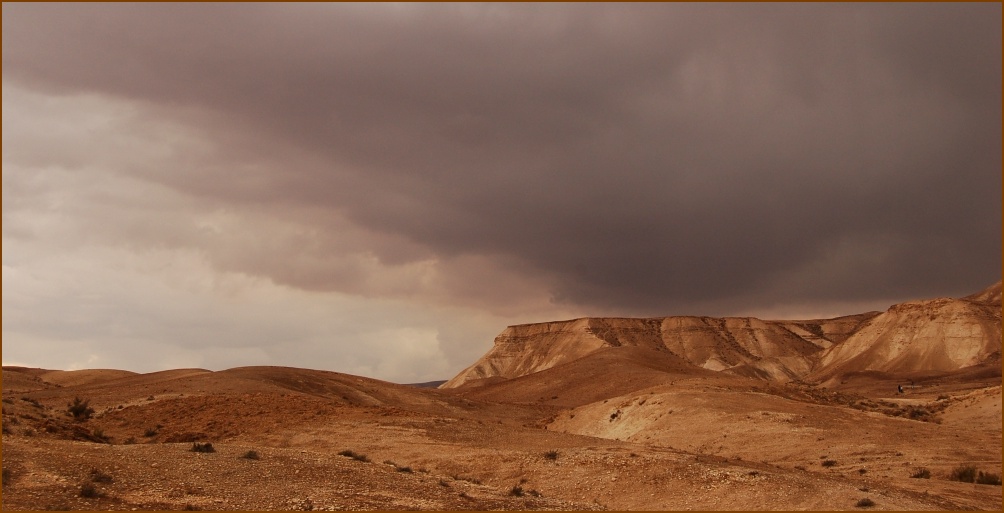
(940, 335)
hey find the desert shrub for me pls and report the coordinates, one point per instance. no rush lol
(191, 507)
(551, 455)
(404, 469)
(355, 456)
(988, 479)
(80, 409)
(99, 434)
(862, 470)
(516, 491)
(921, 473)
(203, 447)
(828, 463)
(98, 476)
(6, 476)
(251, 455)
(865, 503)
(443, 483)
(89, 491)
(6, 429)
(963, 473)
(150, 432)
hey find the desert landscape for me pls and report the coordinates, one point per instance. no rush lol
(674, 413)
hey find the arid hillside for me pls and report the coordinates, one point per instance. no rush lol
(672, 413)
(941, 335)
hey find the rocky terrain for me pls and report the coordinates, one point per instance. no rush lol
(674, 413)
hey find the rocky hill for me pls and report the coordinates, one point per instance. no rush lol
(940, 335)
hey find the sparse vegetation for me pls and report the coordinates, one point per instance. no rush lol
(829, 463)
(98, 476)
(551, 455)
(865, 503)
(963, 473)
(130, 441)
(988, 479)
(6, 476)
(99, 434)
(89, 491)
(921, 473)
(354, 455)
(203, 447)
(150, 432)
(516, 491)
(80, 409)
(404, 469)
(472, 480)
(443, 483)
(251, 455)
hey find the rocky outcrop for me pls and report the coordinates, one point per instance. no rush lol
(938, 335)
(777, 350)
(934, 335)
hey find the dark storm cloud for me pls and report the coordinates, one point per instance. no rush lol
(641, 156)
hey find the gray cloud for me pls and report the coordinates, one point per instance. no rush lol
(634, 159)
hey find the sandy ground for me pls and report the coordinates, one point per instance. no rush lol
(678, 441)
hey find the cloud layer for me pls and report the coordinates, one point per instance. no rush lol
(506, 163)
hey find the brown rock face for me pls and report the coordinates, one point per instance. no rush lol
(938, 335)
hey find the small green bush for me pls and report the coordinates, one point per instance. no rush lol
(988, 479)
(865, 503)
(963, 473)
(921, 473)
(203, 447)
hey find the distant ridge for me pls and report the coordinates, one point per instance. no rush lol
(942, 335)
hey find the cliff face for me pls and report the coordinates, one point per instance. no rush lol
(779, 350)
(938, 335)
(935, 335)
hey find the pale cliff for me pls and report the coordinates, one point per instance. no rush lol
(933, 335)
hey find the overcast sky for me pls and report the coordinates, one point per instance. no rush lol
(381, 189)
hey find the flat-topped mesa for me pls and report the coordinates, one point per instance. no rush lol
(527, 348)
(744, 345)
(937, 335)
